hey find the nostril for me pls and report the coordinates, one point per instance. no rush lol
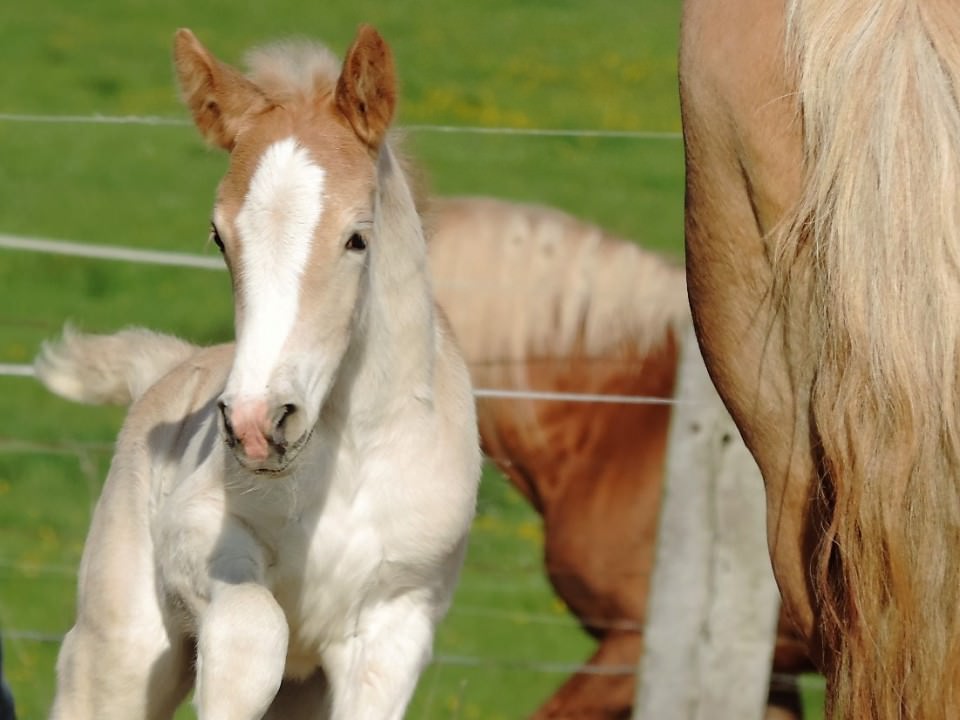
(288, 410)
(228, 433)
(279, 428)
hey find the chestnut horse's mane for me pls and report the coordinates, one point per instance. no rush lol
(583, 292)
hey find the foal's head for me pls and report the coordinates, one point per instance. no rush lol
(293, 217)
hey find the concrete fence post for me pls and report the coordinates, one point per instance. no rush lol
(712, 614)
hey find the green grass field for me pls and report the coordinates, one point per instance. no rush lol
(554, 64)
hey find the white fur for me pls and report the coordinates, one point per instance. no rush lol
(345, 558)
(276, 225)
(91, 368)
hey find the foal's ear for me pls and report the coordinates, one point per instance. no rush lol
(219, 97)
(367, 89)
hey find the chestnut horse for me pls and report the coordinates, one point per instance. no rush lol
(284, 519)
(542, 301)
(822, 142)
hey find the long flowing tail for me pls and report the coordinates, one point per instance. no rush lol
(876, 240)
(108, 369)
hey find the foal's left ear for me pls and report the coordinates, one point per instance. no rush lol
(367, 89)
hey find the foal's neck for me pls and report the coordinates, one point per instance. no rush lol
(396, 340)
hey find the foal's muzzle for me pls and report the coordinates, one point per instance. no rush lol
(258, 433)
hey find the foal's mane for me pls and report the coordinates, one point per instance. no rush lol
(295, 69)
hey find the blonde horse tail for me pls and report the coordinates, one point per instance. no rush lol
(875, 244)
(108, 369)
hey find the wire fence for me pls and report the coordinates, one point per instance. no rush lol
(778, 681)
(488, 613)
(185, 260)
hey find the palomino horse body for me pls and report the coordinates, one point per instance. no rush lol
(823, 231)
(299, 568)
(542, 301)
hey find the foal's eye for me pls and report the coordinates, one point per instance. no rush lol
(215, 236)
(356, 242)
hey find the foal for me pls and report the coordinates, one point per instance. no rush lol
(284, 520)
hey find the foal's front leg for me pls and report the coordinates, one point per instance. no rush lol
(242, 632)
(373, 673)
(241, 652)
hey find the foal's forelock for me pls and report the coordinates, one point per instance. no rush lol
(275, 229)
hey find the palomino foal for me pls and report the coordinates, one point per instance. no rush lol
(294, 511)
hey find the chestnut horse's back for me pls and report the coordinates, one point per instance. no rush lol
(823, 227)
(542, 301)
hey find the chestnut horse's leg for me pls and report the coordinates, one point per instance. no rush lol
(600, 530)
(599, 696)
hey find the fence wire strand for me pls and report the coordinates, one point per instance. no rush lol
(166, 121)
(175, 259)
(551, 667)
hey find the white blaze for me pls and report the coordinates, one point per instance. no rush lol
(275, 226)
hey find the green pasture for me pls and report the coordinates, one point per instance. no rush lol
(529, 64)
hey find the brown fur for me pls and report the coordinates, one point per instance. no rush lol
(366, 92)
(822, 236)
(288, 73)
(207, 84)
(542, 301)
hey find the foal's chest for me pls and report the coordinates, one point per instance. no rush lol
(327, 564)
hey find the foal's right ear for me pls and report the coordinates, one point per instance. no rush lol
(218, 96)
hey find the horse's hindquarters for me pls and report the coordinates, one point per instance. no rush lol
(742, 160)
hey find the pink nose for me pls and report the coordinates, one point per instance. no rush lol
(249, 422)
(251, 425)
